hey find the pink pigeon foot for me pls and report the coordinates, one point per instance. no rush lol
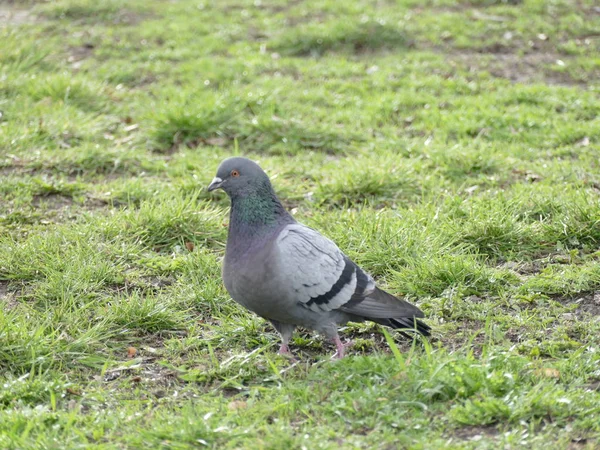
(340, 348)
(285, 351)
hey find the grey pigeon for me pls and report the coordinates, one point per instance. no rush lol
(289, 273)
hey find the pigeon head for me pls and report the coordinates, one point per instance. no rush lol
(238, 176)
(255, 209)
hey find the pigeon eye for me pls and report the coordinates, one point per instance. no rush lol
(235, 173)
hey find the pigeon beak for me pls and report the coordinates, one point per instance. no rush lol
(216, 183)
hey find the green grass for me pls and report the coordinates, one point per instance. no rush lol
(450, 147)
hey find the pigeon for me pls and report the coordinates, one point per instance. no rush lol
(291, 274)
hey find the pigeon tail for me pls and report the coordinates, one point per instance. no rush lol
(408, 325)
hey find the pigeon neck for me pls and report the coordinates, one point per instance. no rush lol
(254, 214)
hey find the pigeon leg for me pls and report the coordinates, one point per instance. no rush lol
(285, 330)
(340, 347)
(284, 350)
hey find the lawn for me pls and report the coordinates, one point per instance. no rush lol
(450, 147)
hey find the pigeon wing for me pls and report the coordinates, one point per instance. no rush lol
(319, 275)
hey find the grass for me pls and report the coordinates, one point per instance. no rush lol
(450, 147)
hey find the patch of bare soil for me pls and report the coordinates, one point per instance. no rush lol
(467, 331)
(526, 68)
(52, 202)
(478, 8)
(57, 207)
(587, 304)
(272, 8)
(80, 53)
(6, 296)
(146, 372)
(581, 443)
(7, 170)
(535, 60)
(475, 432)
(125, 17)
(148, 284)
(10, 16)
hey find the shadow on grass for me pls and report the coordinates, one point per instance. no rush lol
(342, 37)
(92, 12)
(372, 187)
(220, 124)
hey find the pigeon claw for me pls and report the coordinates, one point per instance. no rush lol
(341, 347)
(285, 351)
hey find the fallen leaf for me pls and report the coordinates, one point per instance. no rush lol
(372, 70)
(132, 127)
(491, 18)
(446, 35)
(237, 404)
(547, 372)
(310, 196)
(584, 142)
(131, 351)
(125, 140)
(216, 141)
